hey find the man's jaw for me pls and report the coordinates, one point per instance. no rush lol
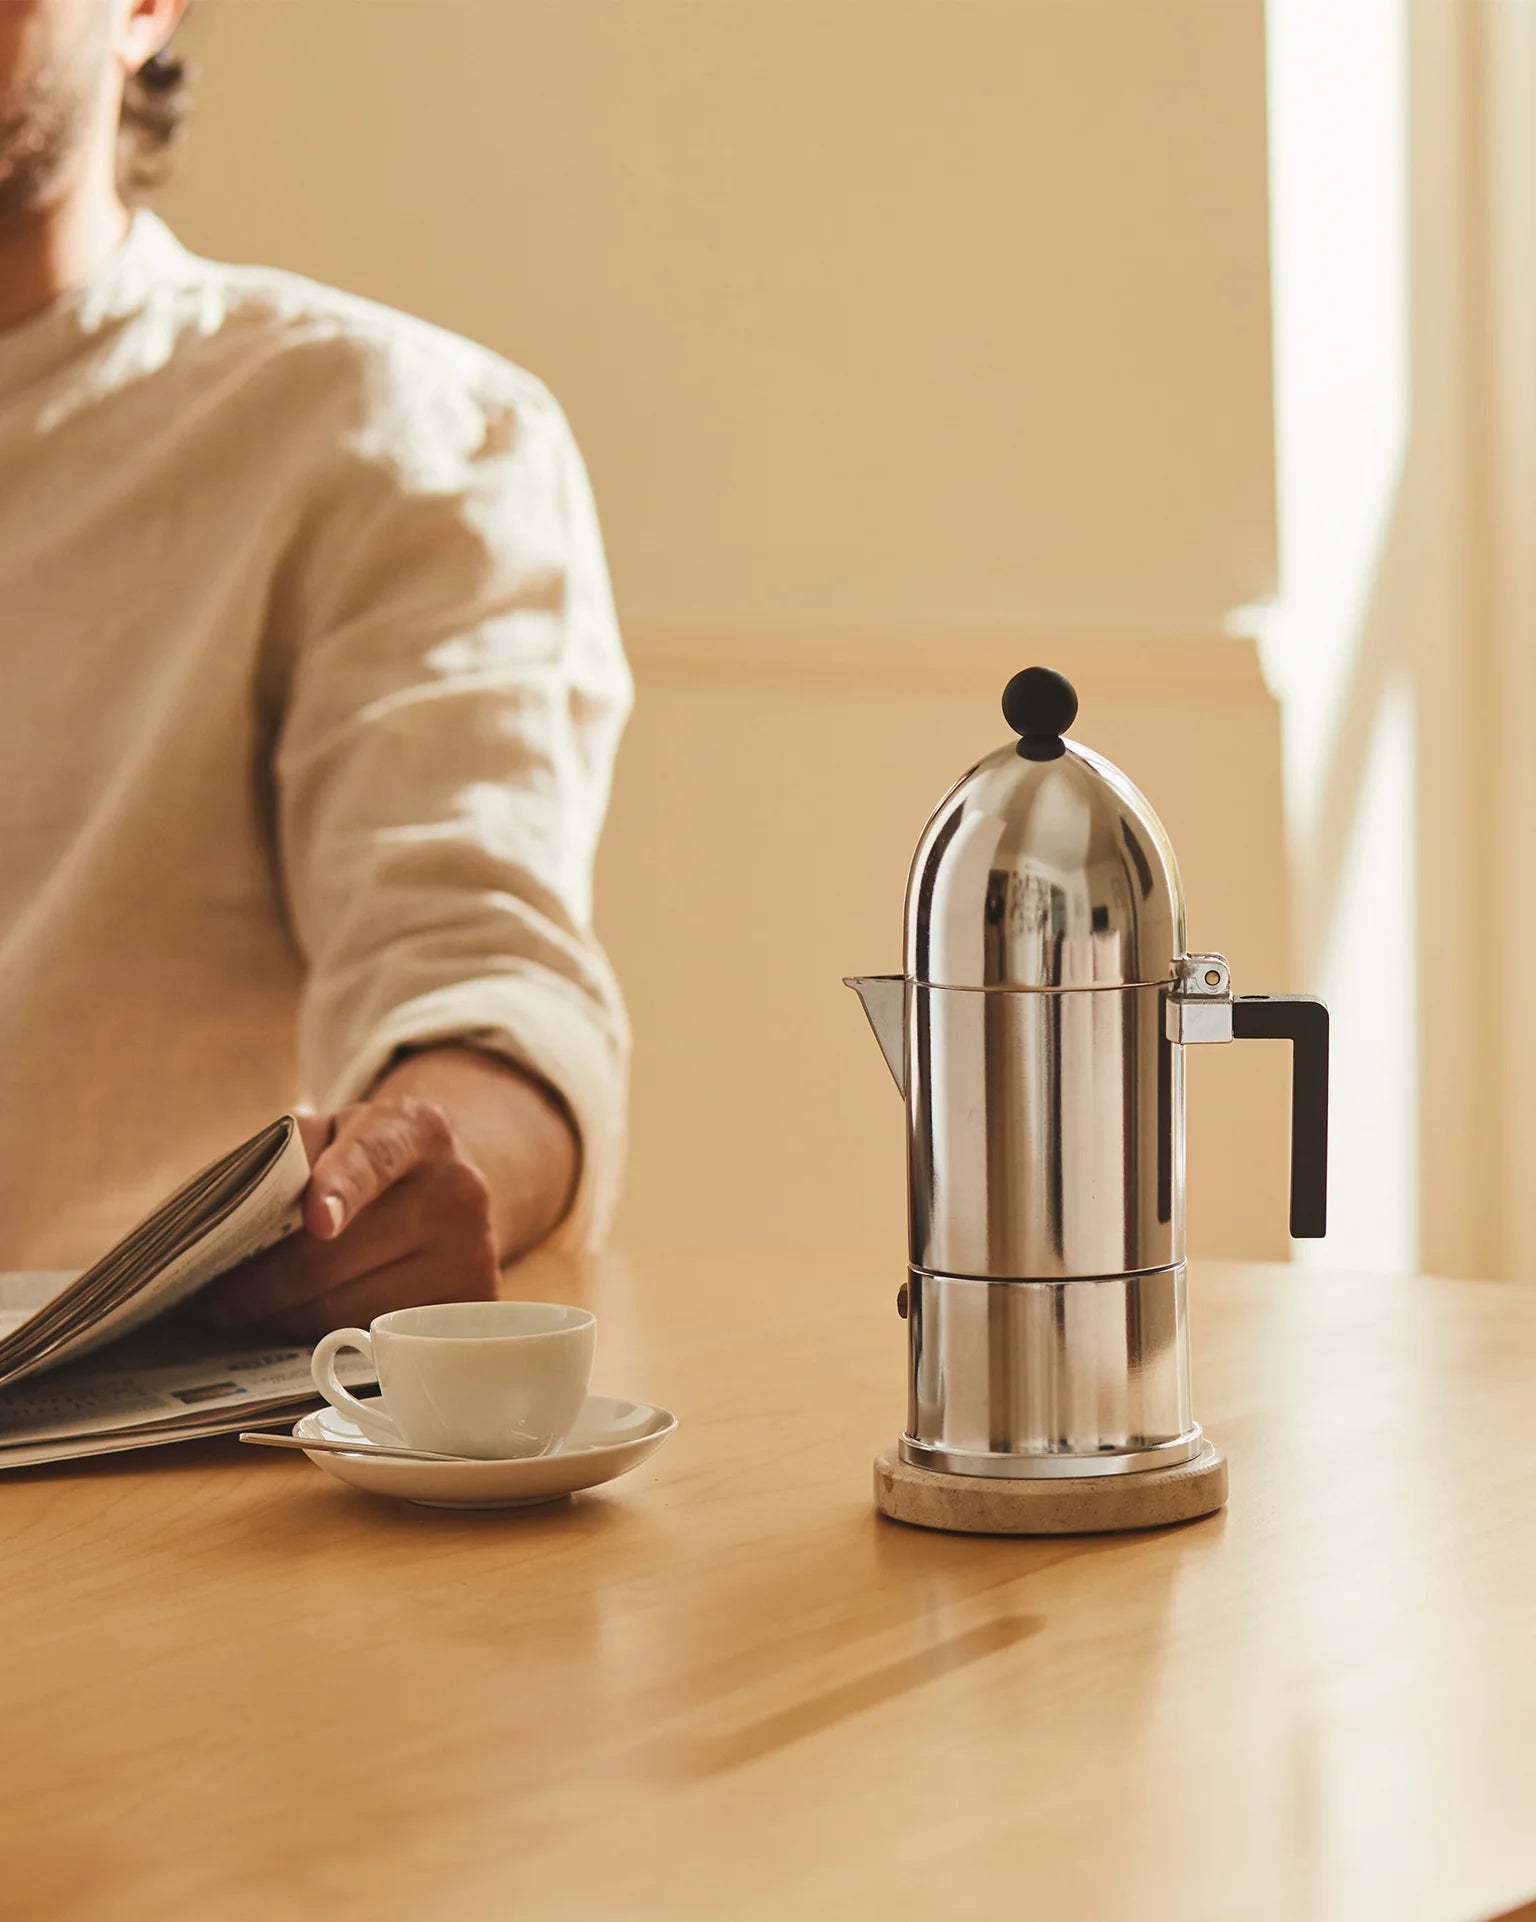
(52, 100)
(60, 212)
(35, 148)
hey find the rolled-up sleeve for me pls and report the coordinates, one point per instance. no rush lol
(447, 737)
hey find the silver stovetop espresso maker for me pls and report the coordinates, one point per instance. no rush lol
(1037, 1035)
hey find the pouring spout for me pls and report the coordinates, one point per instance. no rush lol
(885, 1002)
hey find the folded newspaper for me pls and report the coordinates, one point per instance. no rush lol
(113, 1358)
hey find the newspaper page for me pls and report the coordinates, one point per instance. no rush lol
(233, 1210)
(87, 1447)
(96, 1401)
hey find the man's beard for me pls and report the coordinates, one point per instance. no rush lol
(45, 118)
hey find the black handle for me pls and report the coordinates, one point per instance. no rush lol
(1302, 1020)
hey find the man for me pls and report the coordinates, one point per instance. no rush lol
(311, 690)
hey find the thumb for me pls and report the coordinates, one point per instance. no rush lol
(372, 1146)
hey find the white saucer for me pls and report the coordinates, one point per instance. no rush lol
(610, 1437)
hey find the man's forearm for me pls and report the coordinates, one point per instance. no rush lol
(509, 1127)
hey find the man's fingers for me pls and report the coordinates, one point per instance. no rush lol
(303, 1267)
(411, 1283)
(271, 1283)
(387, 1174)
(375, 1145)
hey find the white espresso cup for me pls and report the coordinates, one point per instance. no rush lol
(489, 1379)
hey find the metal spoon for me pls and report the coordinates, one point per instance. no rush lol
(348, 1448)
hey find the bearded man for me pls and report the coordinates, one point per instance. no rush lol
(312, 688)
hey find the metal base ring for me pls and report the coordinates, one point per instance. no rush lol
(1054, 1467)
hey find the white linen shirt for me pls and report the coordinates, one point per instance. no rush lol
(310, 689)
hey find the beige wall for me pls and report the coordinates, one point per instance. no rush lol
(908, 342)
(1501, 124)
(866, 311)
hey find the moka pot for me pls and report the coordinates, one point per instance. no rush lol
(1037, 1035)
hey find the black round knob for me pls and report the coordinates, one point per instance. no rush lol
(1040, 705)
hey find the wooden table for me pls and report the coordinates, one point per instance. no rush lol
(724, 1689)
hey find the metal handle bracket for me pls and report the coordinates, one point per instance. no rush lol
(1198, 1010)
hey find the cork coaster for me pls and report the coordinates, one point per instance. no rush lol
(1084, 1505)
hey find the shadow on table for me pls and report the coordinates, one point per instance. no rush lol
(825, 1710)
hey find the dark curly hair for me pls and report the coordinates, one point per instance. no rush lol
(156, 103)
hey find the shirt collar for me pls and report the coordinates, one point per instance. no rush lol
(49, 339)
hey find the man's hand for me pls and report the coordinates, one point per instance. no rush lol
(417, 1195)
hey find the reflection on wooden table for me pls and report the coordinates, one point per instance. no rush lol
(723, 1688)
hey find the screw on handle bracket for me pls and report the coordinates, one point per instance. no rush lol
(1199, 1006)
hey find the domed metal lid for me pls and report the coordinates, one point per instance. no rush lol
(1044, 867)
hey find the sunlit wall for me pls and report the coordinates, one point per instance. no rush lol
(1340, 229)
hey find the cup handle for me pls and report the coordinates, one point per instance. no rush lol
(368, 1416)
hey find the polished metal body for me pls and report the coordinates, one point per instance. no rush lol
(1041, 1141)
(1049, 1378)
(1046, 875)
(1037, 1035)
